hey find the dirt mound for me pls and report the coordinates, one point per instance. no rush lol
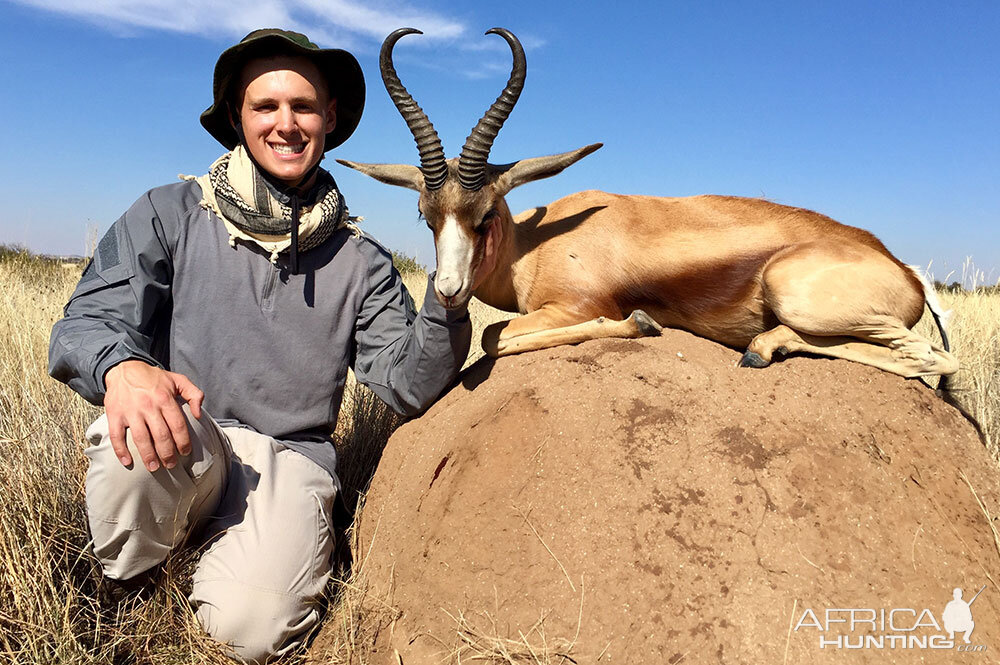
(647, 501)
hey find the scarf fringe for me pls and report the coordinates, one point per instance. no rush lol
(236, 174)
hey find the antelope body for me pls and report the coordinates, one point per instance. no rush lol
(748, 273)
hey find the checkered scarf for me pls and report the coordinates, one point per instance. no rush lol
(235, 190)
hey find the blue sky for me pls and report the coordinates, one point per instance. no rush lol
(883, 115)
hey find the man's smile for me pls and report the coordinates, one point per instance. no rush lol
(287, 148)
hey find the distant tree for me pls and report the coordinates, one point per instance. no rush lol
(406, 264)
(993, 290)
(90, 240)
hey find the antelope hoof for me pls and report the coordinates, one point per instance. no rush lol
(751, 359)
(491, 342)
(645, 323)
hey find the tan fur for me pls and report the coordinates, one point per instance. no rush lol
(725, 268)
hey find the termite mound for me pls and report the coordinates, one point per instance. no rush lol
(647, 501)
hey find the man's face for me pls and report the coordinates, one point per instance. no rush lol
(286, 114)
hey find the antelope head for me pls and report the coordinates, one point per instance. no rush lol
(461, 198)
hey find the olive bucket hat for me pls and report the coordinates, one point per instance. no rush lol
(343, 74)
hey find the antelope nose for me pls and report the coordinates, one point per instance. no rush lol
(448, 285)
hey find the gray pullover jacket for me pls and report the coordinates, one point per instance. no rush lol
(269, 349)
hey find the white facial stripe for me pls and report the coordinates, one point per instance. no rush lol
(454, 255)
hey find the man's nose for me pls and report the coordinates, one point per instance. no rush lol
(286, 119)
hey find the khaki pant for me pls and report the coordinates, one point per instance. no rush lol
(266, 512)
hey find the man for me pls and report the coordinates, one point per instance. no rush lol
(245, 293)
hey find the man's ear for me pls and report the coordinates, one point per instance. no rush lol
(331, 115)
(234, 115)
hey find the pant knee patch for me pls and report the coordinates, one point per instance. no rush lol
(255, 623)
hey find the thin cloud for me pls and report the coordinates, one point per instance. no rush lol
(499, 68)
(340, 22)
(480, 57)
(377, 23)
(495, 43)
(487, 70)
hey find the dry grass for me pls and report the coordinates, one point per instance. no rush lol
(358, 615)
(482, 641)
(49, 583)
(974, 331)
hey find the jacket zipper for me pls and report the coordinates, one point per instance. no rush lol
(267, 299)
(293, 258)
(267, 296)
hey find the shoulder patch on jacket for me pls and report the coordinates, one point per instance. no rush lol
(107, 250)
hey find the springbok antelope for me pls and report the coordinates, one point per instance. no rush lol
(748, 273)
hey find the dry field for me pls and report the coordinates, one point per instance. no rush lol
(49, 585)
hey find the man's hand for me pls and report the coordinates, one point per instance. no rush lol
(143, 399)
(493, 239)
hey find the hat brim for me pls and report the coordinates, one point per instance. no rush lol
(345, 81)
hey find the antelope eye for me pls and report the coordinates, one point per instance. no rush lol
(484, 225)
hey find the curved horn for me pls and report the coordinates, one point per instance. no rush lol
(432, 163)
(472, 162)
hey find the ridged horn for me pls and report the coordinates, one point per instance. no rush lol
(432, 163)
(472, 162)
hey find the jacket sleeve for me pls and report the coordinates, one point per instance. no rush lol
(407, 358)
(113, 313)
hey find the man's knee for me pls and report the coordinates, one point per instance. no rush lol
(257, 624)
(135, 516)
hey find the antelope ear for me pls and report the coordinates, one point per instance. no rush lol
(400, 175)
(513, 175)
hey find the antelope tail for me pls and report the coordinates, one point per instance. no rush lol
(941, 315)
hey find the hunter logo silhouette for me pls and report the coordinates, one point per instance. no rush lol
(957, 615)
